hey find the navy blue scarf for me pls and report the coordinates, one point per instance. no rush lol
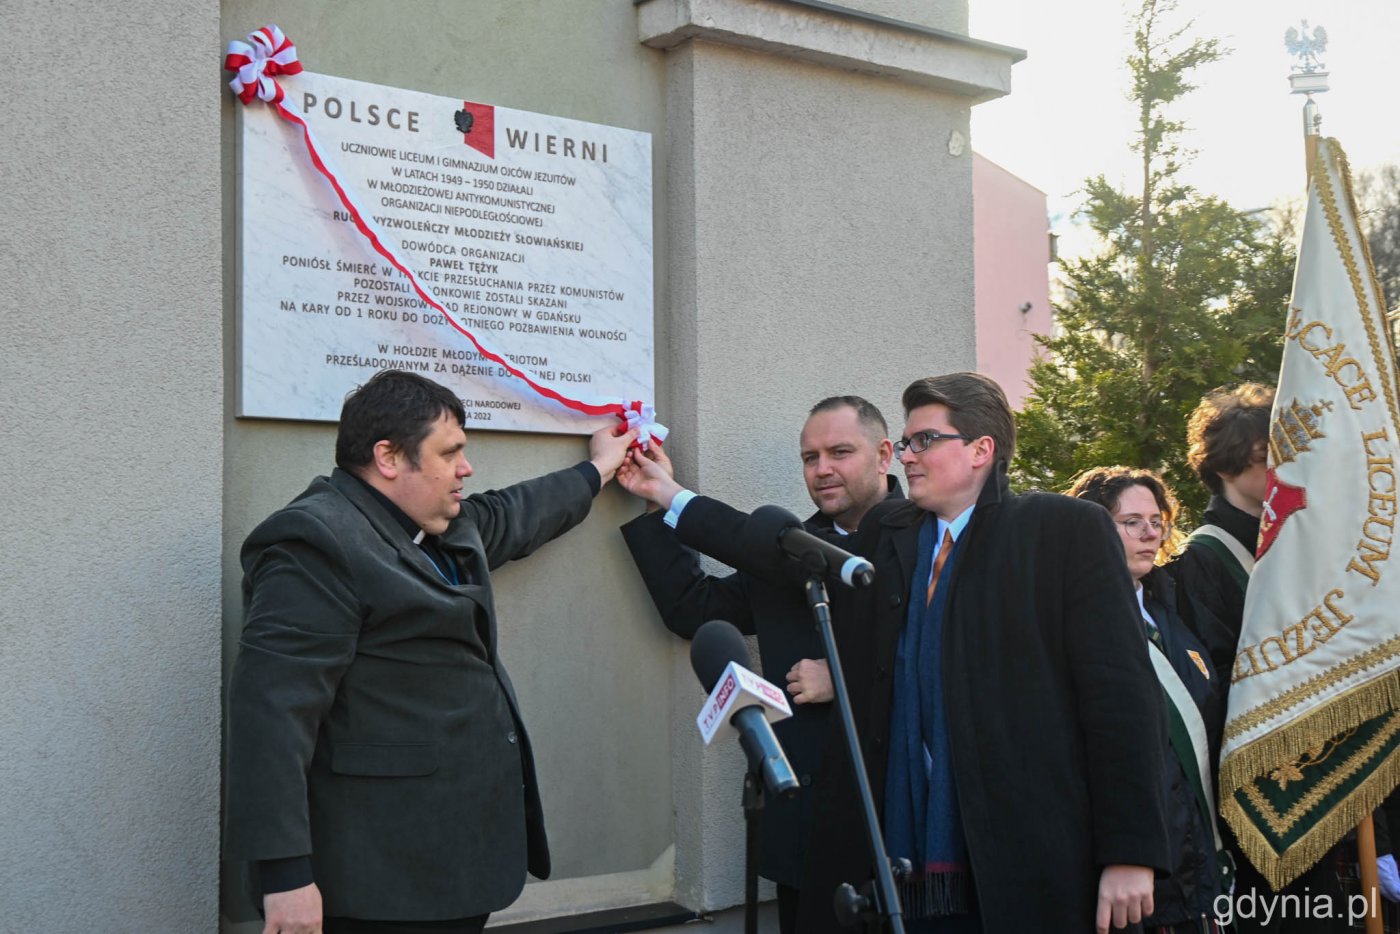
(921, 805)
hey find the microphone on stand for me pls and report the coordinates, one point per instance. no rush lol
(771, 526)
(741, 702)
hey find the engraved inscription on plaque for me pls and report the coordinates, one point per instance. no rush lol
(535, 231)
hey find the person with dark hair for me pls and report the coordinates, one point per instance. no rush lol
(1142, 507)
(395, 406)
(846, 456)
(1227, 438)
(380, 777)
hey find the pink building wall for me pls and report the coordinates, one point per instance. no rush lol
(1011, 247)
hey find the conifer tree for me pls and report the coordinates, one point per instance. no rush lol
(1186, 294)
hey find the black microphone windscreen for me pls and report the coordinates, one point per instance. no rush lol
(757, 541)
(715, 645)
(766, 524)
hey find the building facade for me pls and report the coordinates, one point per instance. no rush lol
(813, 235)
(1011, 243)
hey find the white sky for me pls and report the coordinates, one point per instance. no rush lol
(1067, 117)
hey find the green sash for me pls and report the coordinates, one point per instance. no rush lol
(1187, 733)
(1237, 560)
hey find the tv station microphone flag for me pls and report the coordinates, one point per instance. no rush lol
(1312, 736)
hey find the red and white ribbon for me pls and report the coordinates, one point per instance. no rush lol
(268, 52)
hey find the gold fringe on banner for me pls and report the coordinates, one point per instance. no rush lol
(1344, 170)
(1301, 692)
(1279, 869)
(1259, 760)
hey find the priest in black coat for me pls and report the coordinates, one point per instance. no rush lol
(379, 772)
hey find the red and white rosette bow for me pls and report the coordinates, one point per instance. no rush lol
(642, 416)
(267, 52)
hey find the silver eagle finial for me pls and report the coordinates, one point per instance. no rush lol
(1306, 47)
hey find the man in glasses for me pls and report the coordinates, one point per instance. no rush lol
(1009, 718)
(846, 456)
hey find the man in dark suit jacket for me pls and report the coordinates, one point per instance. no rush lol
(1010, 724)
(846, 454)
(379, 773)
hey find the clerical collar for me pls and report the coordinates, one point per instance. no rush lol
(392, 508)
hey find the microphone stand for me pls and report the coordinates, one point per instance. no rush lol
(883, 903)
(753, 807)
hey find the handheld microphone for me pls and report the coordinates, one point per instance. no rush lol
(740, 701)
(773, 524)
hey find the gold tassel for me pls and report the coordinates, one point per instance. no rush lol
(1285, 745)
(1281, 869)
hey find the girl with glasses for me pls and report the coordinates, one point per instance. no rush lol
(1193, 692)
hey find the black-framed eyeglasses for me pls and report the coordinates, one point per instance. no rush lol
(919, 441)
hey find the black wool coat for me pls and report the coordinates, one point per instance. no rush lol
(1055, 717)
(1211, 602)
(371, 724)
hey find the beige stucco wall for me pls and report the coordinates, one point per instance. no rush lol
(111, 398)
(813, 235)
(823, 213)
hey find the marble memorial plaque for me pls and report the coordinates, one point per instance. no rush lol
(536, 231)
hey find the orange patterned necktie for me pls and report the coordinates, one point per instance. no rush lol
(943, 551)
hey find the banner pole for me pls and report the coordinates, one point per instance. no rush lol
(1370, 878)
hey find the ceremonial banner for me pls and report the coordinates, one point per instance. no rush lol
(1311, 740)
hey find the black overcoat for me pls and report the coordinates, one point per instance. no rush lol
(1056, 721)
(371, 723)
